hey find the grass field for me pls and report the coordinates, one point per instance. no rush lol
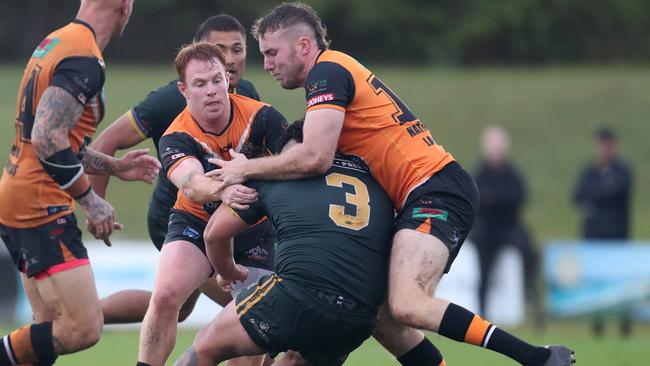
(121, 347)
(550, 112)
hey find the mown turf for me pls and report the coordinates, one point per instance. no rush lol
(121, 347)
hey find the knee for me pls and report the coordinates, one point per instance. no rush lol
(165, 300)
(82, 334)
(209, 351)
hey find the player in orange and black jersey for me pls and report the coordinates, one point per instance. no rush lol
(351, 110)
(59, 106)
(149, 119)
(214, 124)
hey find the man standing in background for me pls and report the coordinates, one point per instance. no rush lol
(498, 223)
(602, 194)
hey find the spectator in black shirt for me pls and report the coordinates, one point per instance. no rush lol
(503, 192)
(603, 192)
(603, 196)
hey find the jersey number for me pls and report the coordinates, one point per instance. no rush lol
(360, 199)
(26, 116)
(403, 114)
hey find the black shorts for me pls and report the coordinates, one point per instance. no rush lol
(254, 247)
(445, 206)
(47, 249)
(160, 205)
(279, 315)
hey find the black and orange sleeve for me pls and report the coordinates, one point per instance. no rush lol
(329, 84)
(174, 147)
(82, 77)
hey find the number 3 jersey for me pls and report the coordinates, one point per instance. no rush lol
(378, 126)
(334, 230)
(68, 58)
(254, 129)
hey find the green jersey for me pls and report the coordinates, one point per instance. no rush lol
(333, 230)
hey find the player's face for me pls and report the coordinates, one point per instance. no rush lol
(206, 89)
(280, 51)
(233, 46)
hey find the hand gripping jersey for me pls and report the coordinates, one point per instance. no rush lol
(378, 126)
(254, 129)
(68, 58)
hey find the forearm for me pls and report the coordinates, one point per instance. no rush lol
(221, 254)
(98, 163)
(199, 188)
(296, 163)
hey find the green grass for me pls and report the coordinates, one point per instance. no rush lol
(551, 113)
(121, 347)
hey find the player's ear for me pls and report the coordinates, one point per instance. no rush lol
(182, 88)
(304, 45)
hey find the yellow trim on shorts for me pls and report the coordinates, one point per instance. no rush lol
(259, 287)
(276, 279)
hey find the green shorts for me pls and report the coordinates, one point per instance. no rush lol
(280, 315)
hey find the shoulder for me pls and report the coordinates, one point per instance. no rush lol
(247, 89)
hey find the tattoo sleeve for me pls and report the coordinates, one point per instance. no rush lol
(189, 358)
(98, 163)
(56, 114)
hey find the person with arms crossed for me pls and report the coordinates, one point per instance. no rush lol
(332, 267)
(213, 123)
(350, 110)
(149, 119)
(60, 103)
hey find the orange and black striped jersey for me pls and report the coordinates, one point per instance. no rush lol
(378, 126)
(68, 58)
(254, 128)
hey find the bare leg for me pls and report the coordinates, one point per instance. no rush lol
(395, 337)
(416, 265)
(181, 269)
(224, 338)
(128, 306)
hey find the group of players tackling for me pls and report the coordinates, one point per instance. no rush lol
(368, 211)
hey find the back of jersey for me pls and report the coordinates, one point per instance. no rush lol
(334, 230)
(29, 195)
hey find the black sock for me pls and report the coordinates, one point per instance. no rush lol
(43, 344)
(462, 325)
(424, 354)
(142, 364)
(7, 356)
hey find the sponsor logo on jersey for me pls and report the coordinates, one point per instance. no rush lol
(425, 212)
(45, 47)
(320, 99)
(316, 86)
(51, 210)
(191, 233)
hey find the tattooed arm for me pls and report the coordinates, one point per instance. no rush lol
(57, 113)
(96, 162)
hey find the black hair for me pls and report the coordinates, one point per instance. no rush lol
(606, 133)
(219, 23)
(293, 132)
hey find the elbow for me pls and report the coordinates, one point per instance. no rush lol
(317, 164)
(40, 147)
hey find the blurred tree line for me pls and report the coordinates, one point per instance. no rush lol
(406, 31)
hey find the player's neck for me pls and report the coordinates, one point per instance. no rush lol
(215, 125)
(310, 59)
(97, 19)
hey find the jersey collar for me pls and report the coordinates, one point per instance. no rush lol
(79, 21)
